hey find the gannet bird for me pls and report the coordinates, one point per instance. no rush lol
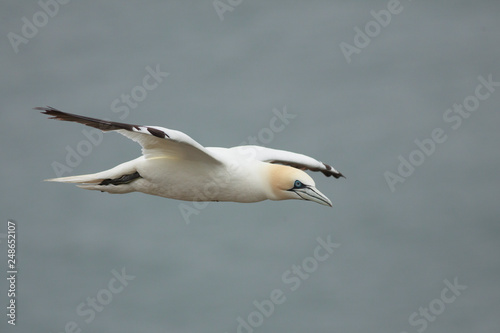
(175, 166)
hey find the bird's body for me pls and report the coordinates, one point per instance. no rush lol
(175, 166)
(173, 178)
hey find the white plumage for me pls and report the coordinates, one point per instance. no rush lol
(175, 166)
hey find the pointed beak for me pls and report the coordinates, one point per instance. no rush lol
(311, 193)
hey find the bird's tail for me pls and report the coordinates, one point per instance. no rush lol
(114, 180)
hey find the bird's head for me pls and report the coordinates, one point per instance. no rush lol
(291, 183)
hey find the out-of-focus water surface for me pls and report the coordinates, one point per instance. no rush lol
(416, 249)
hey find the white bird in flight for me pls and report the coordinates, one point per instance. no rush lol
(175, 166)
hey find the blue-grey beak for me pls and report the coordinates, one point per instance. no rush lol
(311, 193)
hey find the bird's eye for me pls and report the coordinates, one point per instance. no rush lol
(298, 184)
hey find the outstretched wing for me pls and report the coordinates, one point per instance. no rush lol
(295, 160)
(155, 141)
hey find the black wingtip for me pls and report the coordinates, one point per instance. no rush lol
(60, 115)
(45, 108)
(331, 172)
(49, 110)
(103, 125)
(336, 175)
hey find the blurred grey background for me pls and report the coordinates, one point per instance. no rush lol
(230, 64)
